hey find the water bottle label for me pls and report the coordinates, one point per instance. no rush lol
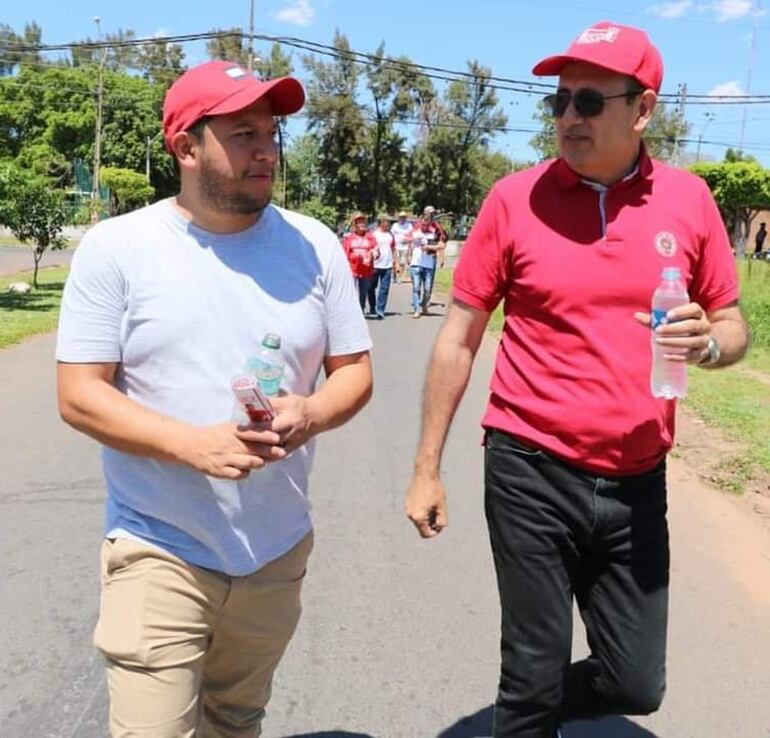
(659, 318)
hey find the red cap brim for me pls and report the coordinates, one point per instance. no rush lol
(286, 96)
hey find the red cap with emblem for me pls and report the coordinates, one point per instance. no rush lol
(221, 87)
(621, 49)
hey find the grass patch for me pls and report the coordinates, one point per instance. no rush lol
(36, 312)
(443, 283)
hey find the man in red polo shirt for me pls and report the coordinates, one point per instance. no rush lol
(575, 489)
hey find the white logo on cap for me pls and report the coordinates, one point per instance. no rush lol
(598, 35)
(665, 243)
(235, 73)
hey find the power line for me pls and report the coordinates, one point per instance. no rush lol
(441, 73)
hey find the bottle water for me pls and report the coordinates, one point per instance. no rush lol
(268, 365)
(668, 379)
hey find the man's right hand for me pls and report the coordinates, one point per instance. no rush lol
(217, 452)
(426, 504)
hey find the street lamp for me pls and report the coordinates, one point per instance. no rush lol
(709, 117)
(95, 190)
(150, 140)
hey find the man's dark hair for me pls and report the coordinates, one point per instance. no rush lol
(196, 129)
(633, 88)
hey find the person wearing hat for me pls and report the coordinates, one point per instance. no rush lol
(360, 247)
(402, 233)
(575, 478)
(428, 241)
(384, 267)
(208, 530)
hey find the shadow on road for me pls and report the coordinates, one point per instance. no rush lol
(616, 727)
(479, 725)
(471, 726)
(331, 734)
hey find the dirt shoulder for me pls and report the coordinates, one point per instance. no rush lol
(711, 456)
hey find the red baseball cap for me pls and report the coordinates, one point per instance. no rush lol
(621, 49)
(221, 87)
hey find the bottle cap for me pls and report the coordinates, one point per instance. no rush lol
(671, 274)
(272, 340)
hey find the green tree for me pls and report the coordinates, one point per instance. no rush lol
(161, 62)
(544, 141)
(14, 49)
(741, 190)
(33, 211)
(129, 189)
(275, 64)
(665, 133)
(303, 178)
(229, 45)
(337, 121)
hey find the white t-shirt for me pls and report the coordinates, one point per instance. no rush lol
(400, 232)
(181, 309)
(385, 248)
(420, 239)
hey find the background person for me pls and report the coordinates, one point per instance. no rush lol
(402, 232)
(361, 249)
(208, 530)
(384, 267)
(575, 485)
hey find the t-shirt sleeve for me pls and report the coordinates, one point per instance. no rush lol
(715, 279)
(92, 306)
(481, 273)
(346, 331)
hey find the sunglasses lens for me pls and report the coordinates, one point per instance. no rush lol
(558, 103)
(589, 103)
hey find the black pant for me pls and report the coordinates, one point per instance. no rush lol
(559, 532)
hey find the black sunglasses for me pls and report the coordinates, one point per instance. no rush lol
(588, 103)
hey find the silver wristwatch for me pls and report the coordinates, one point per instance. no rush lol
(713, 353)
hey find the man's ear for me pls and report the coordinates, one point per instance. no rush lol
(645, 107)
(185, 148)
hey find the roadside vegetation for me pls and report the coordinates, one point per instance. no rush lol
(25, 315)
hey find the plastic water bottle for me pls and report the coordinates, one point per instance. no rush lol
(268, 365)
(668, 379)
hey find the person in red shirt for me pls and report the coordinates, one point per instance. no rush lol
(361, 249)
(575, 485)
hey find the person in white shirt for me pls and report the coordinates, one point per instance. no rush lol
(384, 267)
(402, 232)
(208, 527)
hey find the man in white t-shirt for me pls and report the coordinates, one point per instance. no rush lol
(208, 529)
(402, 232)
(384, 266)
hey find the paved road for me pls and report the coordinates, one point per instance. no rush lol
(399, 636)
(14, 259)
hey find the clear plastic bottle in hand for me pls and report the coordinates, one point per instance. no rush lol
(268, 365)
(668, 379)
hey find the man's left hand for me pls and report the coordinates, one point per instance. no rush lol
(685, 335)
(293, 421)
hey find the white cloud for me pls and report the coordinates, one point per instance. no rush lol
(727, 10)
(727, 89)
(298, 13)
(161, 33)
(673, 9)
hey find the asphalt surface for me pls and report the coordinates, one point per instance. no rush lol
(15, 259)
(399, 636)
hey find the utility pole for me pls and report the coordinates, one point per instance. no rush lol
(752, 55)
(680, 113)
(709, 117)
(95, 190)
(251, 36)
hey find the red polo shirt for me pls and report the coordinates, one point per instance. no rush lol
(572, 265)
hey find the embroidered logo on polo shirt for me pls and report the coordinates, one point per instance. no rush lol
(598, 35)
(665, 243)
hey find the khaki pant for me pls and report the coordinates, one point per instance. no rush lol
(191, 652)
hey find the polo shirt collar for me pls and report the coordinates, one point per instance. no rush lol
(567, 178)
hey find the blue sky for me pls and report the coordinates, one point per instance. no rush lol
(706, 44)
